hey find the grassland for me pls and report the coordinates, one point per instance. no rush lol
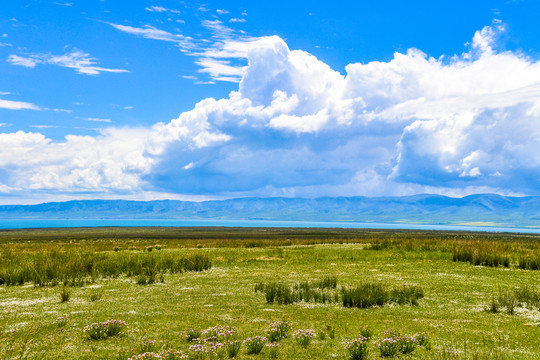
(455, 313)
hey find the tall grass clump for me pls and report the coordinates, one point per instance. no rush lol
(76, 267)
(510, 299)
(65, 294)
(371, 294)
(304, 337)
(233, 348)
(254, 345)
(529, 262)
(98, 331)
(322, 291)
(358, 349)
(481, 257)
(277, 331)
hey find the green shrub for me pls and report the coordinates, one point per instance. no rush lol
(233, 348)
(358, 348)
(304, 337)
(365, 295)
(254, 345)
(65, 294)
(277, 331)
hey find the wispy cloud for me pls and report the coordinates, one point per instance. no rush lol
(222, 11)
(76, 59)
(218, 56)
(5, 93)
(98, 120)
(18, 105)
(156, 9)
(150, 32)
(237, 20)
(63, 4)
(44, 126)
(28, 62)
(161, 9)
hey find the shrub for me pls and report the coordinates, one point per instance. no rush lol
(406, 344)
(151, 346)
(95, 331)
(233, 348)
(274, 350)
(528, 296)
(329, 282)
(192, 334)
(62, 321)
(422, 340)
(365, 295)
(114, 327)
(65, 294)
(358, 348)
(406, 295)
(493, 305)
(506, 299)
(277, 330)
(254, 345)
(304, 337)
(197, 352)
(366, 332)
(388, 347)
(330, 331)
(217, 333)
(95, 294)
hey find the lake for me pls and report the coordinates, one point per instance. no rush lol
(66, 223)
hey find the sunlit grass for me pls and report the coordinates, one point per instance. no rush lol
(453, 312)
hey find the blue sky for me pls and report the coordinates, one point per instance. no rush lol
(178, 99)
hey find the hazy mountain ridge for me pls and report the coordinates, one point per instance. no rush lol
(432, 209)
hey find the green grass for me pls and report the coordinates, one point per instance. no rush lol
(453, 312)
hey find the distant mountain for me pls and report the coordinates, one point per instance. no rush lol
(482, 209)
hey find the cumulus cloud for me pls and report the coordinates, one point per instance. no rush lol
(454, 125)
(78, 60)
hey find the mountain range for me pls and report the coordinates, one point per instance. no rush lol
(481, 209)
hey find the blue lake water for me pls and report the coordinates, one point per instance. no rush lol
(66, 223)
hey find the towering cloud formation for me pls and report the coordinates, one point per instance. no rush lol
(468, 123)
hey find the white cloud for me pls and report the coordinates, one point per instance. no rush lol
(237, 20)
(296, 127)
(17, 105)
(150, 32)
(222, 11)
(160, 9)
(223, 56)
(156, 9)
(21, 61)
(76, 59)
(98, 119)
(5, 93)
(44, 126)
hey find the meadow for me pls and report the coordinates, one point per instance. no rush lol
(219, 293)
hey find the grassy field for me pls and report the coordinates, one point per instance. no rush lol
(164, 281)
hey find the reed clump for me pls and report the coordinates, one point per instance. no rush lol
(78, 267)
